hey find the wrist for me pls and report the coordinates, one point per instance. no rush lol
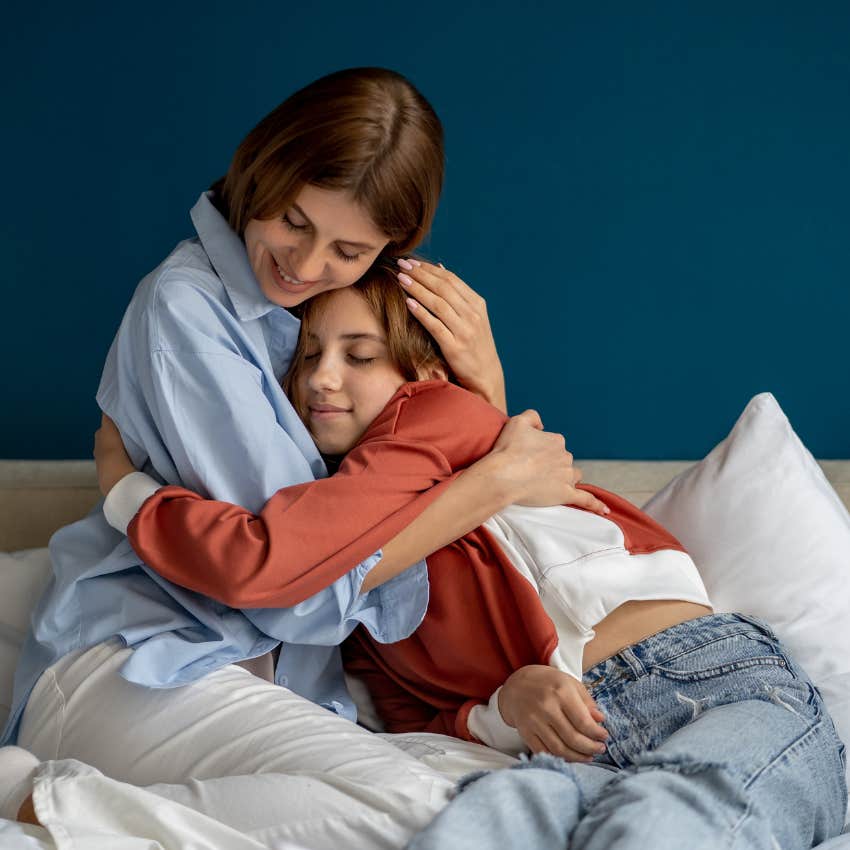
(497, 484)
(492, 392)
(114, 470)
(504, 709)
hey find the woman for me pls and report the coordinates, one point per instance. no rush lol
(345, 169)
(540, 626)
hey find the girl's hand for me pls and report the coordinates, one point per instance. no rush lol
(456, 316)
(536, 467)
(553, 713)
(110, 456)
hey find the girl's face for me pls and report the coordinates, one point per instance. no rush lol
(346, 378)
(323, 241)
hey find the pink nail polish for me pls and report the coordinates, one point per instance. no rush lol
(405, 264)
(404, 279)
(415, 262)
(412, 304)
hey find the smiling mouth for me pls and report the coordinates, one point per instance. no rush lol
(287, 283)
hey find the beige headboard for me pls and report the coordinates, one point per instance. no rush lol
(37, 497)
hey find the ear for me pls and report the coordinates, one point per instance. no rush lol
(431, 372)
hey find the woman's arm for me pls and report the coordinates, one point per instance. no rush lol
(456, 316)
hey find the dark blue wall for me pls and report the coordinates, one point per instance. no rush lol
(653, 197)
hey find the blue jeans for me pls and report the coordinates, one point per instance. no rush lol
(717, 739)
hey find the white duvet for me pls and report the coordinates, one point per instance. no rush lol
(85, 810)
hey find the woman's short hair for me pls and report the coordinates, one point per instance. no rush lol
(410, 347)
(365, 131)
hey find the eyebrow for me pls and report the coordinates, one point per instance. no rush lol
(365, 246)
(373, 337)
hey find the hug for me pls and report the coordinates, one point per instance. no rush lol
(311, 478)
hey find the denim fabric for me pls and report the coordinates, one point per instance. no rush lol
(718, 739)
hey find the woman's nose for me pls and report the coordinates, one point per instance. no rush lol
(307, 265)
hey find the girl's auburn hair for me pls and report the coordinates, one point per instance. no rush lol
(365, 131)
(410, 347)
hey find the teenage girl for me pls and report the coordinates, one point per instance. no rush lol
(583, 633)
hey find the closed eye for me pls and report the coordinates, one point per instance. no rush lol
(300, 228)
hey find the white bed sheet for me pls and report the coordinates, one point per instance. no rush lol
(83, 810)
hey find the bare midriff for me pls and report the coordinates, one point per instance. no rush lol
(634, 621)
(624, 626)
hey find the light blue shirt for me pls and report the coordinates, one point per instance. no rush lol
(193, 381)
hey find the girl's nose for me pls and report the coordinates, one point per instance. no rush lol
(325, 376)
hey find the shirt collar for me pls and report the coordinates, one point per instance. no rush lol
(230, 260)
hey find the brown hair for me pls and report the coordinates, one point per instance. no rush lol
(409, 346)
(365, 131)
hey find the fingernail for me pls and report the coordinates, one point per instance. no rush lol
(441, 265)
(606, 510)
(601, 748)
(412, 304)
(405, 264)
(415, 262)
(404, 279)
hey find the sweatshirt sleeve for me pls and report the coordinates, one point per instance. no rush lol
(397, 706)
(310, 534)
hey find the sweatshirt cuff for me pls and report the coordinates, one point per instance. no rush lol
(125, 499)
(486, 724)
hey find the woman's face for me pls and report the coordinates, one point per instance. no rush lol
(323, 241)
(346, 377)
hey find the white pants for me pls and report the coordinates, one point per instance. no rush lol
(250, 754)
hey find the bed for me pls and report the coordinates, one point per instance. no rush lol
(759, 488)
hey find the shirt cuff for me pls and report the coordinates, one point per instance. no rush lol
(125, 499)
(392, 611)
(486, 724)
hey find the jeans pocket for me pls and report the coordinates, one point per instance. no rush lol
(728, 654)
(760, 624)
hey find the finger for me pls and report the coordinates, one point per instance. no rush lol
(531, 417)
(589, 733)
(555, 744)
(583, 499)
(462, 290)
(436, 294)
(473, 298)
(547, 740)
(431, 323)
(535, 744)
(593, 708)
(584, 745)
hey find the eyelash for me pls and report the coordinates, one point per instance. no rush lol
(357, 361)
(298, 228)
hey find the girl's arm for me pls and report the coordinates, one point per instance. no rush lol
(399, 709)
(383, 495)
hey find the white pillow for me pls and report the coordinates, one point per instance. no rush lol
(23, 576)
(771, 538)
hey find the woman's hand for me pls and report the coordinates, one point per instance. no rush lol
(110, 456)
(536, 467)
(553, 713)
(456, 316)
